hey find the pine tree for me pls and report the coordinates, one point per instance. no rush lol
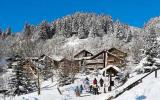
(20, 82)
(45, 31)
(27, 30)
(8, 31)
(151, 48)
(1, 32)
(81, 33)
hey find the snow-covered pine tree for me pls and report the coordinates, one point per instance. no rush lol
(20, 83)
(45, 31)
(27, 30)
(8, 31)
(151, 49)
(151, 46)
(1, 32)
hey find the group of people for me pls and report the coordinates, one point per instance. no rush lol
(94, 87)
(91, 88)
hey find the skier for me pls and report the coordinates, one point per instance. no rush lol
(101, 81)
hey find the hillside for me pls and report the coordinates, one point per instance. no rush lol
(79, 31)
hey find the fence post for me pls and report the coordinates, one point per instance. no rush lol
(39, 87)
(155, 73)
(110, 83)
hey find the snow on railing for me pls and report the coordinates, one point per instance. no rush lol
(130, 86)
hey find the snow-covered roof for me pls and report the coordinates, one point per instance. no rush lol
(111, 66)
(149, 67)
(56, 58)
(14, 63)
(38, 65)
(53, 57)
(3, 62)
(157, 60)
(82, 58)
(82, 51)
(31, 57)
(42, 58)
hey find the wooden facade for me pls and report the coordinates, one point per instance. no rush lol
(50, 61)
(66, 63)
(83, 53)
(68, 66)
(105, 58)
(118, 53)
(82, 56)
(30, 68)
(113, 60)
(56, 62)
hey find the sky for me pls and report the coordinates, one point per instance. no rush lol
(15, 13)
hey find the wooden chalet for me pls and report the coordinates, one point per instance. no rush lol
(118, 53)
(46, 61)
(50, 61)
(30, 68)
(81, 56)
(67, 63)
(56, 61)
(103, 59)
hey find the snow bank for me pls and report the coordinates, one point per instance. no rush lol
(149, 89)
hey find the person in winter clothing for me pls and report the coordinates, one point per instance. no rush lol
(101, 81)
(86, 79)
(94, 81)
(77, 91)
(86, 84)
(90, 88)
(81, 89)
(95, 89)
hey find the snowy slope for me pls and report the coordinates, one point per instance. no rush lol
(50, 92)
(149, 89)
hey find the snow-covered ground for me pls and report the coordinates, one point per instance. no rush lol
(149, 89)
(50, 92)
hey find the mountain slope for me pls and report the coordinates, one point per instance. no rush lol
(90, 31)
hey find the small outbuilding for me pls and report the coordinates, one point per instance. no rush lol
(110, 70)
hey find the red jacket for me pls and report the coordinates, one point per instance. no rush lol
(94, 81)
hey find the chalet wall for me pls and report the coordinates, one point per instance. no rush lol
(118, 53)
(111, 60)
(83, 54)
